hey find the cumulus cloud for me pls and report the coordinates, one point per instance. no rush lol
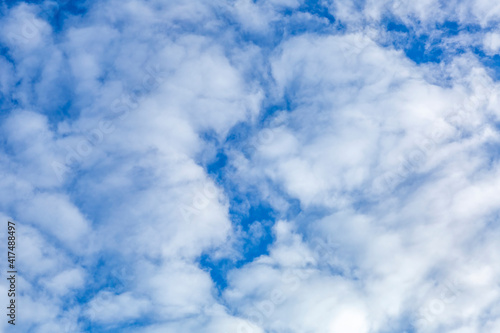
(252, 166)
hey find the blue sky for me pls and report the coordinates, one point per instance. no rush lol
(252, 166)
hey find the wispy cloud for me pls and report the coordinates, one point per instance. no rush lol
(252, 166)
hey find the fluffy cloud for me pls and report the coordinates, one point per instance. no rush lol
(380, 171)
(396, 162)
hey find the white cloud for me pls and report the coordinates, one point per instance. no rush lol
(422, 14)
(352, 122)
(492, 42)
(65, 281)
(23, 30)
(113, 309)
(391, 163)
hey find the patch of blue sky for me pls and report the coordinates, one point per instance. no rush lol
(423, 45)
(316, 8)
(320, 21)
(248, 211)
(8, 101)
(216, 165)
(4, 52)
(6, 104)
(61, 111)
(256, 225)
(284, 104)
(240, 135)
(217, 269)
(491, 62)
(58, 106)
(255, 218)
(56, 13)
(421, 48)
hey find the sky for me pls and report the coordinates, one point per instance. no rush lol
(251, 166)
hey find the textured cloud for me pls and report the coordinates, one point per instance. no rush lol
(252, 166)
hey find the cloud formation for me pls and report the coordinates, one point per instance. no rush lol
(252, 166)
